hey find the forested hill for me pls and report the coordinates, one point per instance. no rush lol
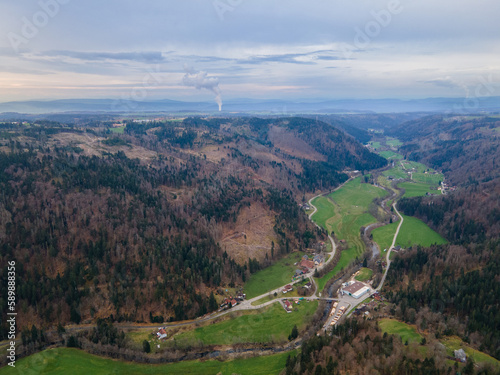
(466, 150)
(445, 292)
(454, 286)
(145, 220)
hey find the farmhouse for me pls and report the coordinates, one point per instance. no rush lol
(355, 290)
(460, 355)
(287, 288)
(161, 334)
(309, 264)
(287, 306)
(318, 259)
(298, 272)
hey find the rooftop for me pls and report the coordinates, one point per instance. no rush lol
(353, 288)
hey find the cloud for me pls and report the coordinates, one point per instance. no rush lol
(308, 58)
(200, 80)
(449, 83)
(146, 57)
(259, 45)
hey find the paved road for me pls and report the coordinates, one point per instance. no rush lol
(349, 302)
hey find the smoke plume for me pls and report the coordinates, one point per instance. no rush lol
(200, 80)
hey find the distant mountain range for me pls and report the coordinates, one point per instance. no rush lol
(279, 107)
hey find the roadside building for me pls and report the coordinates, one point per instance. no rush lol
(318, 259)
(460, 355)
(298, 272)
(356, 290)
(161, 334)
(287, 305)
(287, 288)
(309, 264)
(241, 296)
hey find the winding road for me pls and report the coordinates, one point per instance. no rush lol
(349, 302)
(388, 259)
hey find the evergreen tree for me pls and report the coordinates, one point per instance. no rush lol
(146, 347)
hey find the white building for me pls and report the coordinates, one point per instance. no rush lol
(356, 289)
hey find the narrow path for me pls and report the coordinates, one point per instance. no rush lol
(392, 246)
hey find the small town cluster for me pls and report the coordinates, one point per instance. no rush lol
(308, 263)
(232, 301)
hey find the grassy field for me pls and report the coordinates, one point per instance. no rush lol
(118, 130)
(326, 210)
(403, 330)
(415, 231)
(344, 212)
(63, 361)
(354, 193)
(412, 232)
(345, 259)
(417, 167)
(390, 155)
(364, 274)
(145, 334)
(271, 324)
(415, 189)
(383, 236)
(455, 343)
(270, 278)
(393, 142)
(396, 172)
(428, 178)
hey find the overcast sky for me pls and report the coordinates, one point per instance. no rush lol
(181, 50)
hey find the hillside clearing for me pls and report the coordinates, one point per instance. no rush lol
(405, 331)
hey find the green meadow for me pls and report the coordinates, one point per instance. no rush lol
(344, 212)
(415, 189)
(413, 232)
(393, 142)
(64, 361)
(455, 343)
(270, 324)
(428, 178)
(326, 210)
(390, 155)
(272, 277)
(383, 236)
(396, 172)
(118, 130)
(394, 327)
(364, 274)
